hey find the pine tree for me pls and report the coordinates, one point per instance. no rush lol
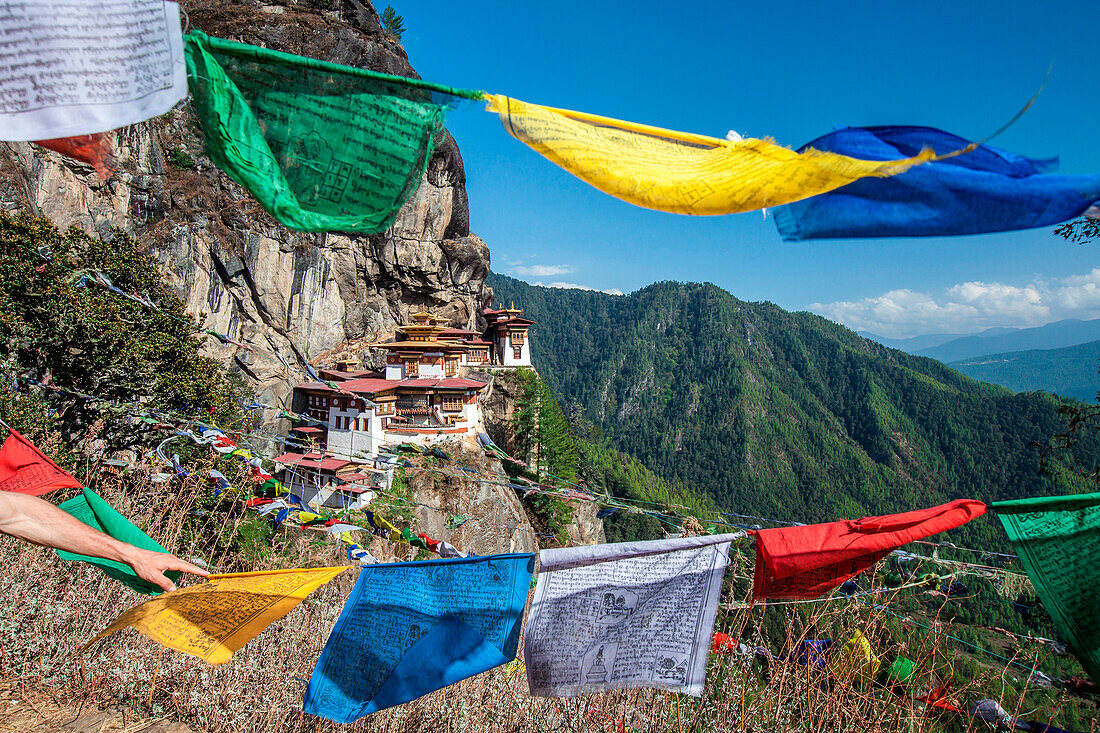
(392, 23)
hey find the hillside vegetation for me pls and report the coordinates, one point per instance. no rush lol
(784, 415)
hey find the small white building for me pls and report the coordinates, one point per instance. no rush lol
(508, 333)
(330, 482)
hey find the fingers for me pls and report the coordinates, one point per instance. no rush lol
(151, 566)
(174, 563)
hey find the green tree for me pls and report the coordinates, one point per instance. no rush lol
(57, 325)
(543, 434)
(392, 23)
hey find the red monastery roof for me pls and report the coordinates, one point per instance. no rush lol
(325, 464)
(374, 386)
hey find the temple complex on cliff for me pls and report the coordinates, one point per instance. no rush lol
(420, 397)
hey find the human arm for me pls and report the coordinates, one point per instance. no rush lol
(35, 520)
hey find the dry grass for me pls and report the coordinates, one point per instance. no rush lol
(51, 606)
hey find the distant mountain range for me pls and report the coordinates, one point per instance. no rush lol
(948, 347)
(1069, 372)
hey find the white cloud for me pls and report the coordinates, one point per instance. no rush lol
(575, 286)
(541, 270)
(969, 306)
(1081, 291)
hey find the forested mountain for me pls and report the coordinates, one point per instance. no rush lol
(1069, 372)
(783, 414)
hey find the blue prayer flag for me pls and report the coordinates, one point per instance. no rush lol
(985, 190)
(411, 628)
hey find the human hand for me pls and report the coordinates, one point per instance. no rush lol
(151, 566)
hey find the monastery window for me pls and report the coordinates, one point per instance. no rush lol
(412, 367)
(412, 405)
(517, 352)
(452, 367)
(517, 338)
(452, 403)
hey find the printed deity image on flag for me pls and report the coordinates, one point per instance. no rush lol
(322, 147)
(632, 614)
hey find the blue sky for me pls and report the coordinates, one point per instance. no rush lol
(790, 70)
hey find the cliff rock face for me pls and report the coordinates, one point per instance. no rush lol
(290, 295)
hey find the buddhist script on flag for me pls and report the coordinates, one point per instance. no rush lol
(69, 67)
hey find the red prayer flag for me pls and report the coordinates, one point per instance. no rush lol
(27, 470)
(722, 643)
(96, 150)
(807, 561)
(937, 698)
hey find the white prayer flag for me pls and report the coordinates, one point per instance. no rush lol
(633, 614)
(77, 67)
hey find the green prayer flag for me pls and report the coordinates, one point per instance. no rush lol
(91, 509)
(899, 672)
(322, 147)
(1058, 541)
(408, 536)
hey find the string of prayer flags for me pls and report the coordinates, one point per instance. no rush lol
(412, 628)
(96, 150)
(985, 190)
(26, 470)
(123, 65)
(414, 540)
(1057, 539)
(631, 614)
(91, 509)
(808, 560)
(322, 147)
(214, 619)
(679, 172)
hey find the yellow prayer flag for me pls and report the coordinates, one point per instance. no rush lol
(680, 172)
(214, 619)
(855, 659)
